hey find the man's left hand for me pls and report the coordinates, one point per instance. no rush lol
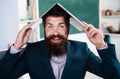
(94, 35)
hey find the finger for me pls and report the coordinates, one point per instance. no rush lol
(28, 32)
(85, 25)
(23, 31)
(91, 28)
(27, 26)
(93, 33)
(26, 36)
(88, 27)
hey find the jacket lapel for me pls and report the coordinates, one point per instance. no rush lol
(70, 53)
(47, 60)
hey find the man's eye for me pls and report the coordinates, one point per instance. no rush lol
(49, 26)
(61, 26)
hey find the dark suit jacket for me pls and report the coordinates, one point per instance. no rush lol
(35, 61)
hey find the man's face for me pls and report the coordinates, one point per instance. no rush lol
(56, 35)
(56, 27)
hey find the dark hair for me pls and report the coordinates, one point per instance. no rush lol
(57, 11)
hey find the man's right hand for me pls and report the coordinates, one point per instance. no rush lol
(23, 36)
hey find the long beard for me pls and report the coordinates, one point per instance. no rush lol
(56, 49)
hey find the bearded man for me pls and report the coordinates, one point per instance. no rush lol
(56, 57)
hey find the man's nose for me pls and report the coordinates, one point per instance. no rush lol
(56, 31)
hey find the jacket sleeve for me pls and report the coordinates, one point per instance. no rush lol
(107, 66)
(11, 66)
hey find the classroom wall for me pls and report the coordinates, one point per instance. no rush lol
(115, 39)
(8, 22)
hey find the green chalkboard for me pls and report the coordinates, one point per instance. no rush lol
(84, 10)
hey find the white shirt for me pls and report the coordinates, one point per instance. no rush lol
(58, 64)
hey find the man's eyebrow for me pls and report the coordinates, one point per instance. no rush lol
(52, 24)
(62, 23)
(48, 24)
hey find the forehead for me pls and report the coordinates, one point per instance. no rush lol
(55, 18)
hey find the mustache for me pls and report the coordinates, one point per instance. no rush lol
(56, 49)
(58, 36)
